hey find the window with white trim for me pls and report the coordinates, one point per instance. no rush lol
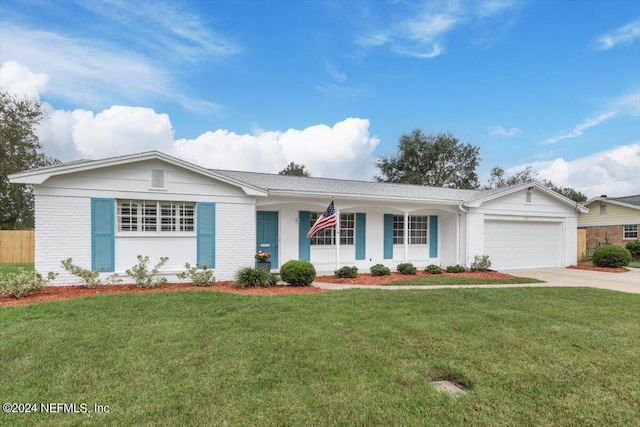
(327, 236)
(630, 232)
(155, 215)
(418, 229)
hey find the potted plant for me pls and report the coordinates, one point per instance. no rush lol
(261, 260)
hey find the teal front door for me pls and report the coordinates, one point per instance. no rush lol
(267, 238)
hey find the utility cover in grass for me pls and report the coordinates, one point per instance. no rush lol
(448, 386)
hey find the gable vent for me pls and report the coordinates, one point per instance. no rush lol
(157, 178)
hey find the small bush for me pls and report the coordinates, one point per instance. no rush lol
(433, 269)
(406, 268)
(90, 278)
(347, 272)
(22, 282)
(611, 256)
(587, 255)
(145, 278)
(481, 263)
(253, 276)
(380, 270)
(634, 250)
(456, 269)
(298, 273)
(202, 277)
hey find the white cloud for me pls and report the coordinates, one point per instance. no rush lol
(581, 127)
(614, 172)
(626, 34)
(500, 131)
(19, 80)
(116, 131)
(344, 150)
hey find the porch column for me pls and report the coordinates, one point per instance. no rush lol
(406, 236)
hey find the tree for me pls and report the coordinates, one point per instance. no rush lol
(497, 179)
(436, 160)
(295, 169)
(20, 150)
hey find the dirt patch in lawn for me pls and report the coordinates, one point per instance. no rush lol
(49, 293)
(604, 269)
(368, 279)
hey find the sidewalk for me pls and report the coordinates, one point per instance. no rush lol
(554, 277)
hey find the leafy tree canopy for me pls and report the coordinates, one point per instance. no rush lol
(295, 169)
(20, 150)
(436, 160)
(498, 179)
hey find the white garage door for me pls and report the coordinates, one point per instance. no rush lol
(523, 244)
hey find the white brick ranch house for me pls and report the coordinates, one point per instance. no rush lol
(103, 213)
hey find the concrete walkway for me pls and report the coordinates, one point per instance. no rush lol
(554, 277)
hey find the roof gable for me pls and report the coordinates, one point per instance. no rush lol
(632, 202)
(40, 175)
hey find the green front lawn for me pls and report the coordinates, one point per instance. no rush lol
(552, 356)
(634, 264)
(14, 267)
(437, 279)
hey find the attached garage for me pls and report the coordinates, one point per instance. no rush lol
(524, 244)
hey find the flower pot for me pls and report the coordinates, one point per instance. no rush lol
(264, 265)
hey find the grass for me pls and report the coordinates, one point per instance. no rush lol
(14, 267)
(437, 279)
(552, 356)
(634, 264)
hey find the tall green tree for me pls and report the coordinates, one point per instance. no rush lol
(295, 169)
(436, 160)
(498, 179)
(20, 149)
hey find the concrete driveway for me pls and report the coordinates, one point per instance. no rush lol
(554, 277)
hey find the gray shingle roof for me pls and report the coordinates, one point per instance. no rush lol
(337, 187)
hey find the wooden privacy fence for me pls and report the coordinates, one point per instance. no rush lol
(16, 246)
(582, 242)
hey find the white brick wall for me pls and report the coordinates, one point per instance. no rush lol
(235, 238)
(63, 230)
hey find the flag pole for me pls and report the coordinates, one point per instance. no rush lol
(337, 239)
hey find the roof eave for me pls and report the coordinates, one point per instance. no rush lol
(368, 197)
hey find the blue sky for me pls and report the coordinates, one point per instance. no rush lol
(253, 85)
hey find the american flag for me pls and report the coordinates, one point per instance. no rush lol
(328, 219)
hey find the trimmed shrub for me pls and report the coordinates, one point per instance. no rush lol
(611, 256)
(433, 269)
(456, 269)
(253, 276)
(22, 282)
(380, 270)
(634, 250)
(90, 278)
(481, 263)
(203, 277)
(406, 268)
(347, 272)
(298, 273)
(144, 277)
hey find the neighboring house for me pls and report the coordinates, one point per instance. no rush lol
(612, 220)
(103, 213)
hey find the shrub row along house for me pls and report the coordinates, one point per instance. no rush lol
(103, 213)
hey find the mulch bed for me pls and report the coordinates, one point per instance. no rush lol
(49, 293)
(604, 269)
(368, 279)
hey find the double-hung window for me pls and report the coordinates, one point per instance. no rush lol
(155, 216)
(327, 236)
(630, 232)
(418, 229)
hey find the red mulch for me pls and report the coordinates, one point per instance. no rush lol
(368, 279)
(49, 293)
(604, 269)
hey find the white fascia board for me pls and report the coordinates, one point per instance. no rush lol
(315, 194)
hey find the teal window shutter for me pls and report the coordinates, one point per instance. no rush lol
(206, 234)
(433, 236)
(304, 244)
(361, 235)
(103, 234)
(388, 236)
